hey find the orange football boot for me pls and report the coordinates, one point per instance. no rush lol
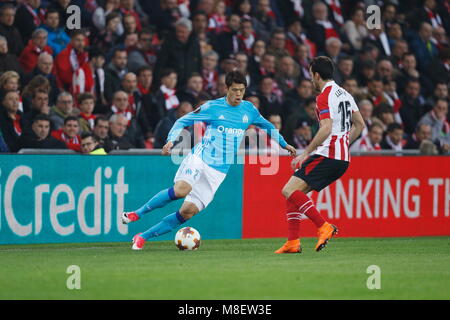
(325, 233)
(291, 246)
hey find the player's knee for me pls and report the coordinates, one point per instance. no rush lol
(188, 212)
(182, 189)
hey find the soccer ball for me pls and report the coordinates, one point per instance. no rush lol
(187, 239)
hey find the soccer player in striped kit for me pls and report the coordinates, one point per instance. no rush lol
(325, 159)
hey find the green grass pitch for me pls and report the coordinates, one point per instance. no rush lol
(411, 268)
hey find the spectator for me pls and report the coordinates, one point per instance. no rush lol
(193, 89)
(69, 133)
(37, 83)
(371, 141)
(226, 41)
(10, 120)
(440, 127)
(384, 114)
(385, 69)
(221, 86)
(128, 7)
(218, 20)
(144, 80)
(44, 68)
(90, 144)
(145, 52)
(378, 38)
(322, 28)
(333, 47)
(422, 133)
(9, 31)
(28, 18)
(393, 139)
(366, 110)
(106, 38)
(200, 26)
(115, 72)
(303, 59)
(117, 140)
(287, 74)
(57, 37)
(86, 118)
(96, 63)
(267, 68)
(61, 6)
(422, 46)
(164, 126)
(101, 128)
(29, 57)
(295, 37)
(302, 135)
(8, 62)
(72, 66)
(246, 36)
(39, 105)
(101, 12)
(270, 102)
(344, 69)
(355, 29)
(265, 19)
(351, 86)
(210, 74)
(258, 51)
(62, 109)
(375, 93)
(440, 92)
(39, 136)
(412, 107)
(399, 48)
(165, 98)
(277, 44)
(181, 52)
(242, 66)
(439, 67)
(169, 14)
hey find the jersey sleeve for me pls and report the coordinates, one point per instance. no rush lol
(201, 114)
(322, 104)
(269, 128)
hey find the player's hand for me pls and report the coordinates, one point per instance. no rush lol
(166, 148)
(297, 161)
(291, 149)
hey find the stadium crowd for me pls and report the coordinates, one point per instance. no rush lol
(134, 67)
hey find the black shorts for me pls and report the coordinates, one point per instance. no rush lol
(319, 171)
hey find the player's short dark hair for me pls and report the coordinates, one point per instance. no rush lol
(70, 118)
(323, 66)
(235, 77)
(394, 126)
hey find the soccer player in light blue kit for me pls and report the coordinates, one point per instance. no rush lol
(203, 170)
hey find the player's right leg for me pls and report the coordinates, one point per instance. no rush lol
(180, 190)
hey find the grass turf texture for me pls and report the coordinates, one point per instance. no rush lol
(411, 268)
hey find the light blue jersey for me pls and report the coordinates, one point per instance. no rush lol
(225, 129)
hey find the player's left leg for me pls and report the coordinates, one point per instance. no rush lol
(167, 224)
(293, 216)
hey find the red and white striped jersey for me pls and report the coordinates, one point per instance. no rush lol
(336, 103)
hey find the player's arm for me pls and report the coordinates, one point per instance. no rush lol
(357, 126)
(199, 115)
(273, 133)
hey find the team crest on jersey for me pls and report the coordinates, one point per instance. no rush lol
(245, 119)
(221, 117)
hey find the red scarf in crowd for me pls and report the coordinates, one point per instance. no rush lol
(16, 124)
(170, 97)
(435, 18)
(37, 17)
(89, 118)
(210, 79)
(127, 113)
(247, 42)
(142, 90)
(71, 143)
(329, 29)
(335, 7)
